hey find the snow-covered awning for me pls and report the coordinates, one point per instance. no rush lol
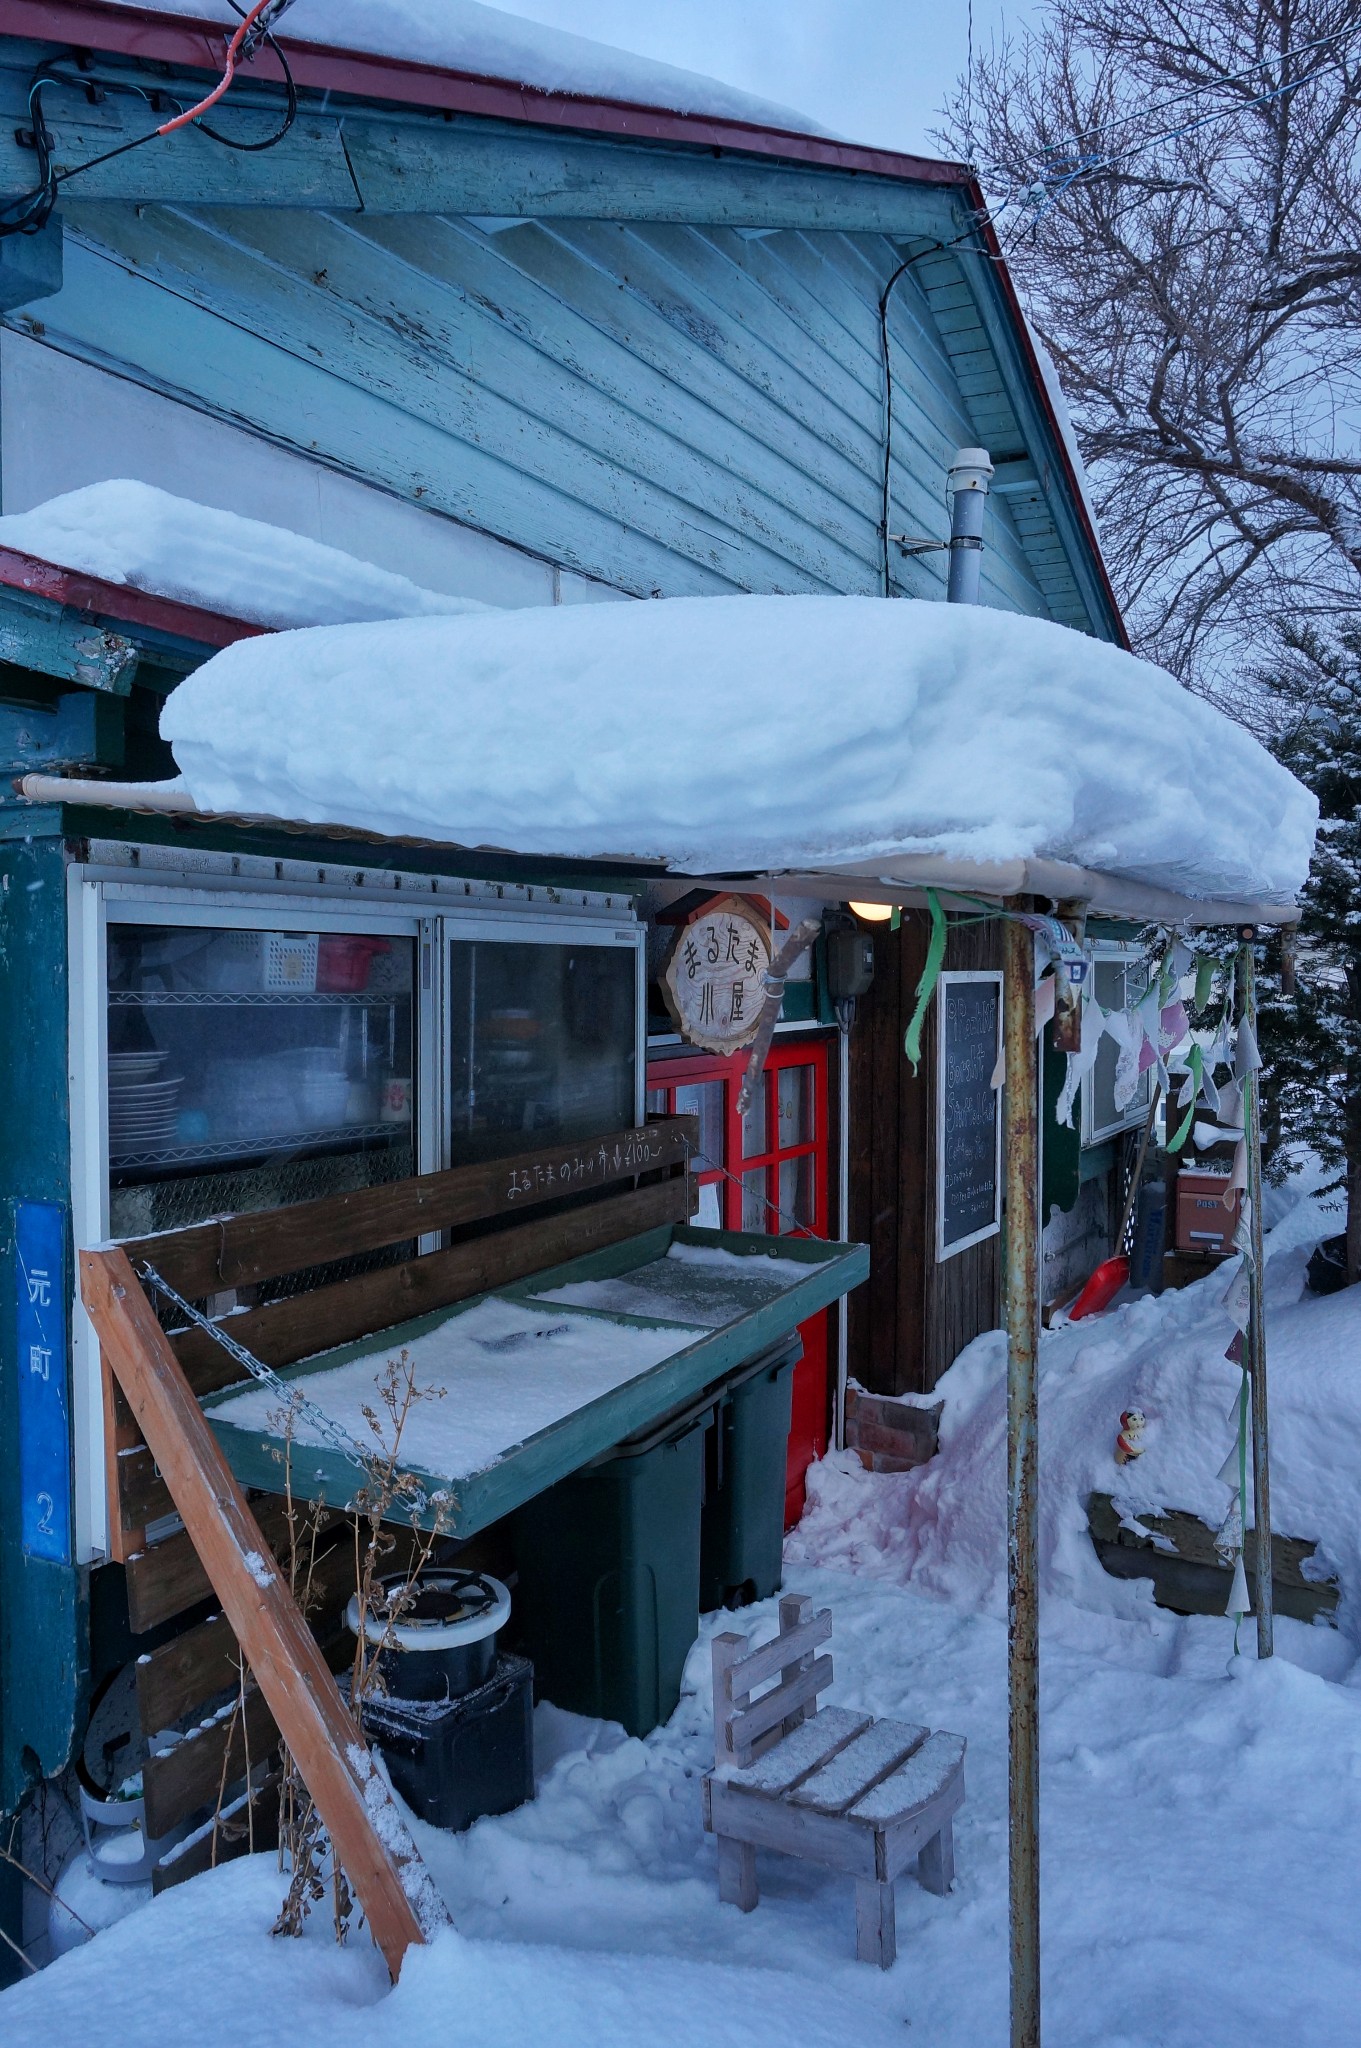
(852, 744)
(150, 540)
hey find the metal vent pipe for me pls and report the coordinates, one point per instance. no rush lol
(969, 475)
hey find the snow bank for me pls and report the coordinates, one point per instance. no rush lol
(942, 1528)
(135, 534)
(816, 731)
(1198, 1878)
(461, 35)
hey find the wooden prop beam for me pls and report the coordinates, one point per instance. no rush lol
(379, 1858)
(1023, 1464)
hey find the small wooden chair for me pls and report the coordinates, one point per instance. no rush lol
(834, 1787)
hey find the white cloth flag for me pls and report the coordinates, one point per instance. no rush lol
(1080, 1064)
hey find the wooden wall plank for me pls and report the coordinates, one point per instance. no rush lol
(238, 1251)
(187, 1777)
(914, 1316)
(285, 1331)
(202, 1853)
(196, 1665)
(169, 1577)
(733, 440)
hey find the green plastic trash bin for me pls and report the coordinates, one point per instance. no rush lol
(608, 1563)
(742, 1527)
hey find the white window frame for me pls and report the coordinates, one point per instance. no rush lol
(961, 1244)
(460, 928)
(1105, 952)
(123, 891)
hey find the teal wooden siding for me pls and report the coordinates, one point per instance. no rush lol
(671, 409)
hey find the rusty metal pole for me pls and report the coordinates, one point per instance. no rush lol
(1021, 1138)
(1262, 1590)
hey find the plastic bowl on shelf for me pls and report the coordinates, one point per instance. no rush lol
(324, 1099)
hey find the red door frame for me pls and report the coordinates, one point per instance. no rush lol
(811, 1405)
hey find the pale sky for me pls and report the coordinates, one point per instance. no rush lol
(871, 70)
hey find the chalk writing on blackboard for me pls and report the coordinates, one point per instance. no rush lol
(968, 1128)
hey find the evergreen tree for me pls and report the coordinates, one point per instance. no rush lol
(1311, 1036)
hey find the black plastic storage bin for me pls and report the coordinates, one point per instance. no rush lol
(742, 1528)
(608, 1560)
(455, 1760)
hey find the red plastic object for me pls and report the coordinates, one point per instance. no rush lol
(1101, 1290)
(343, 962)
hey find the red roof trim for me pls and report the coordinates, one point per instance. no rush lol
(183, 39)
(119, 601)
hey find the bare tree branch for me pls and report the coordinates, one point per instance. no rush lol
(1193, 264)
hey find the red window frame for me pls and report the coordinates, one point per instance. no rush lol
(665, 1076)
(812, 1392)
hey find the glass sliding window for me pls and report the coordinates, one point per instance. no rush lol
(250, 1068)
(542, 1044)
(1115, 982)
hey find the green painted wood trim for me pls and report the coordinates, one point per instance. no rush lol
(43, 1629)
(54, 641)
(555, 1452)
(372, 160)
(22, 820)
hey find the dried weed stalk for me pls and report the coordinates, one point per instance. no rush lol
(389, 1503)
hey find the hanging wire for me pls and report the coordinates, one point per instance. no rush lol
(30, 212)
(1044, 191)
(1192, 92)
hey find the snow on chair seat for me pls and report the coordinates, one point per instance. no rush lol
(838, 1788)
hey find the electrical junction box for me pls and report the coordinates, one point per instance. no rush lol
(850, 964)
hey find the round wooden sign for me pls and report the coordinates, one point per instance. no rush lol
(714, 980)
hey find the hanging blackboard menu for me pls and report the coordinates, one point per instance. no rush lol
(969, 1119)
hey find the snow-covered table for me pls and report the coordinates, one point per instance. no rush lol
(525, 1385)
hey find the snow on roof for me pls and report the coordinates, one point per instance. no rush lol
(134, 534)
(738, 734)
(463, 35)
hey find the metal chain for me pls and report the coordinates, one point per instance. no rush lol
(795, 1227)
(297, 1403)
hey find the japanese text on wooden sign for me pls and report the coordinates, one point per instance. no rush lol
(44, 1434)
(969, 1125)
(583, 1169)
(714, 981)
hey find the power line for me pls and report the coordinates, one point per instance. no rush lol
(30, 212)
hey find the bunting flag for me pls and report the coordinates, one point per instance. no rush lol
(1246, 1058)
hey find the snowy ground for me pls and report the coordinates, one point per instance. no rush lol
(1199, 1811)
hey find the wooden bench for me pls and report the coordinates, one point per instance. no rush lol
(834, 1787)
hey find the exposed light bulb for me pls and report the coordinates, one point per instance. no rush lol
(874, 913)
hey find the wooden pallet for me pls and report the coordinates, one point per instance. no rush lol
(1177, 1553)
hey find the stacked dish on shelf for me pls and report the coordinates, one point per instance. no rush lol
(143, 1102)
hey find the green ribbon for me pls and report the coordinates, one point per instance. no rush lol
(1197, 1065)
(926, 987)
(1205, 970)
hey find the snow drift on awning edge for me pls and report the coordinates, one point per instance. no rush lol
(739, 734)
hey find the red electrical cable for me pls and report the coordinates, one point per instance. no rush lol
(233, 52)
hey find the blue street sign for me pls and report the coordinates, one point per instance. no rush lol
(44, 1425)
